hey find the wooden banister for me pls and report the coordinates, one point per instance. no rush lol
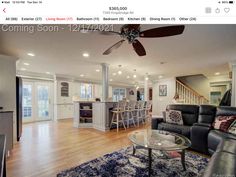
(189, 95)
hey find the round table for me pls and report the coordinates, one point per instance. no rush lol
(159, 140)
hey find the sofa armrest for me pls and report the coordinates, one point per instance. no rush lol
(155, 122)
(199, 137)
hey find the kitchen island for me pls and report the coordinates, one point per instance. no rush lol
(89, 114)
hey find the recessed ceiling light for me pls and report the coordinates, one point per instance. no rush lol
(22, 69)
(26, 64)
(31, 54)
(81, 75)
(48, 72)
(134, 76)
(119, 72)
(114, 74)
(217, 73)
(97, 70)
(86, 55)
(111, 80)
(160, 76)
(127, 77)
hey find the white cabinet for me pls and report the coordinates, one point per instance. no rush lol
(65, 111)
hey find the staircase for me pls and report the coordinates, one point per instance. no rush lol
(189, 96)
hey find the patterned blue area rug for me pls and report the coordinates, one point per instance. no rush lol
(124, 163)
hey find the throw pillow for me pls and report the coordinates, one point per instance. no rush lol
(223, 122)
(232, 128)
(174, 117)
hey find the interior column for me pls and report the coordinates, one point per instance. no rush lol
(233, 90)
(105, 84)
(146, 94)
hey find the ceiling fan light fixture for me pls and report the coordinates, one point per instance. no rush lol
(134, 76)
(119, 72)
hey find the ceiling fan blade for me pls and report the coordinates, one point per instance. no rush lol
(115, 46)
(138, 47)
(162, 31)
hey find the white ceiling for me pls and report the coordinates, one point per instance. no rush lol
(201, 49)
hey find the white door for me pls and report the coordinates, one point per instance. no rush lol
(43, 101)
(37, 98)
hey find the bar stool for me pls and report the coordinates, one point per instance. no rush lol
(129, 112)
(118, 113)
(140, 111)
(148, 108)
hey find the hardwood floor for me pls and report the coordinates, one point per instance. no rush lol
(47, 148)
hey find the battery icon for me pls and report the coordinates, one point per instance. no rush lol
(231, 2)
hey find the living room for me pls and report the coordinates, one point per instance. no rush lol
(97, 103)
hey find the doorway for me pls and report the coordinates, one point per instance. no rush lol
(37, 101)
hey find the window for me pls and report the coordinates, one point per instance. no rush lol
(86, 91)
(118, 94)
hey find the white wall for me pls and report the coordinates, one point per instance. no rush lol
(8, 86)
(160, 102)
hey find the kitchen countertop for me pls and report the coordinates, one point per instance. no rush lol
(5, 111)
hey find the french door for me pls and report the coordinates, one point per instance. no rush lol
(37, 98)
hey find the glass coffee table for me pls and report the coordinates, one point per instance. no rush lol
(159, 140)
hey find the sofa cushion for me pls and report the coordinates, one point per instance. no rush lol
(215, 137)
(206, 114)
(221, 164)
(180, 129)
(174, 117)
(223, 122)
(189, 112)
(227, 145)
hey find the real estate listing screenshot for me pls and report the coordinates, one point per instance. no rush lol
(118, 88)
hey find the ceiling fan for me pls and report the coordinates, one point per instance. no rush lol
(131, 32)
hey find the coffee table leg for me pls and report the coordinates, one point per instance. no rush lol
(149, 162)
(134, 149)
(183, 159)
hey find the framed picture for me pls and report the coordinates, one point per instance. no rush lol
(162, 90)
(131, 92)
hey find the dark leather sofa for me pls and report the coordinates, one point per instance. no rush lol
(198, 128)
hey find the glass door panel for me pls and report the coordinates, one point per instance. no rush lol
(27, 102)
(43, 102)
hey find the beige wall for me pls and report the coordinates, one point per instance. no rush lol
(8, 86)
(199, 83)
